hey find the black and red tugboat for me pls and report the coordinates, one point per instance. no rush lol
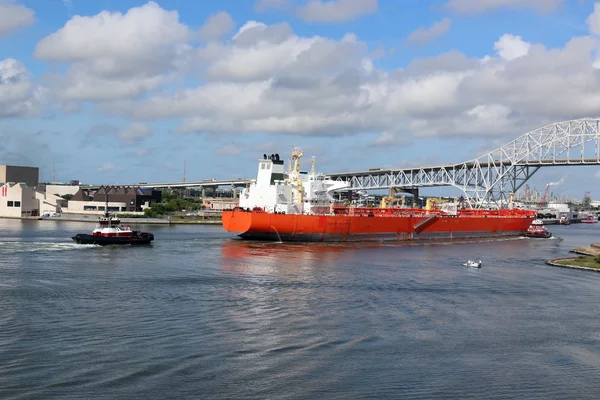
(537, 230)
(109, 230)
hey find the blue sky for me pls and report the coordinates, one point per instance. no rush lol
(124, 91)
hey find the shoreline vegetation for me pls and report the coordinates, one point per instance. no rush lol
(173, 209)
(588, 259)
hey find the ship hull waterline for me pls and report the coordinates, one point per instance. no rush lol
(142, 239)
(343, 228)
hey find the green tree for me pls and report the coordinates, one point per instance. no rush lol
(172, 202)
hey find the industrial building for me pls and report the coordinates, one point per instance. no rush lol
(219, 203)
(17, 174)
(55, 197)
(18, 197)
(21, 195)
(130, 199)
(18, 200)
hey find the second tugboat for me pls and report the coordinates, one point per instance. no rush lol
(110, 231)
(537, 230)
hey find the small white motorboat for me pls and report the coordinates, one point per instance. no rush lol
(473, 264)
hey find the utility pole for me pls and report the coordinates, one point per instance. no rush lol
(184, 170)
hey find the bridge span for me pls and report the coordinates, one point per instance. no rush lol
(489, 178)
(207, 183)
(494, 175)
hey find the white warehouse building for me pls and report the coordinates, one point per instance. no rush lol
(18, 200)
(53, 193)
(19, 196)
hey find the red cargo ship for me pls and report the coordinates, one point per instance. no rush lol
(299, 206)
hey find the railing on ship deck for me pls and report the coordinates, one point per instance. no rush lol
(418, 212)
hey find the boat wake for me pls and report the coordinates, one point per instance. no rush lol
(31, 247)
(533, 238)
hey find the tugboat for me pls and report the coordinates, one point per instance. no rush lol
(590, 220)
(110, 231)
(564, 220)
(537, 230)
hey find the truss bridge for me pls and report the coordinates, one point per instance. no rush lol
(491, 178)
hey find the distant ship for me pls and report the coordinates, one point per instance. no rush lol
(564, 221)
(299, 206)
(590, 219)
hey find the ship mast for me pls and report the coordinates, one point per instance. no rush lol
(296, 155)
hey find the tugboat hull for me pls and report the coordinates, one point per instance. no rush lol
(544, 235)
(141, 238)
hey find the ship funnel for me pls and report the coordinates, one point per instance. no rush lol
(270, 169)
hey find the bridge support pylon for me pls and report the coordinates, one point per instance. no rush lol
(414, 192)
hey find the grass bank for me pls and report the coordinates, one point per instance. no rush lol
(581, 262)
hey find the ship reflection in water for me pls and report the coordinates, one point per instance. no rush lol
(266, 257)
(281, 258)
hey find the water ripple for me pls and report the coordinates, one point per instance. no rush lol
(198, 315)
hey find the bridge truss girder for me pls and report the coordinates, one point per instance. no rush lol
(491, 178)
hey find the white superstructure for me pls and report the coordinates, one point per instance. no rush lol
(111, 226)
(291, 192)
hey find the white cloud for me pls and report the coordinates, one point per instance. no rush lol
(217, 25)
(114, 55)
(598, 175)
(19, 96)
(335, 10)
(425, 96)
(593, 20)
(14, 16)
(134, 132)
(510, 47)
(482, 6)
(425, 35)
(258, 51)
(268, 79)
(142, 30)
(481, 120)
(316, 86)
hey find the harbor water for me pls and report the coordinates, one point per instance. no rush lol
(201, 315)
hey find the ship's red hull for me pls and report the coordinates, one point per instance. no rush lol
(373, 226)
